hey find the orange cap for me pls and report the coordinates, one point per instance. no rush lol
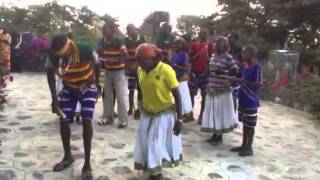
(147, 50)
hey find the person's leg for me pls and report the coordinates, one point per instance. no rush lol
(244, 141)
(203, 82)
(65, 138)
(212, 138)
(120, 86)
(131, 86)
(87, 100)
(87, 139)
(244, 133)
(249, 122)
(108, 99)
(137, 113)
(247, 150)
(131, 102)
(68, 105)
(203, 102)
(114, 101)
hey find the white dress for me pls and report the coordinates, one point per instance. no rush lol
(156, 143)
(219, 115)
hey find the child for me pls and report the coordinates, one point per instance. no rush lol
(251, 81)
(180, 63)
(158, 136)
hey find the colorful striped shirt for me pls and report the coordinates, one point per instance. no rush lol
(112, 51)
(131, 45)
(75, 75)
(221, 82)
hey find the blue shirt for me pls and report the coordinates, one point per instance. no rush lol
(249, 97)
(180, 58)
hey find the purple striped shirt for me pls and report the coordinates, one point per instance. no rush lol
(220, 81)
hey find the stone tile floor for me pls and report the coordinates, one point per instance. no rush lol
(287, 144)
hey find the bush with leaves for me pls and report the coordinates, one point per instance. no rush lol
(307, 93)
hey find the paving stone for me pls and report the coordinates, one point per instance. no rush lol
(24, 117)
(121, 170)
(102, 178)
(117, 145)
(214, 176)
(27, 128)
(286, 144)
(20, 154)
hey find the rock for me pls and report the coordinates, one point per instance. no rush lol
(20, 154)
(117, 145)
(214, 176)
(121, 170)
(27, 128)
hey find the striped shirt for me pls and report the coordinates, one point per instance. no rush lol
(219, 82)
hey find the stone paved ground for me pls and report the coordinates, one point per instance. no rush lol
(287, 144)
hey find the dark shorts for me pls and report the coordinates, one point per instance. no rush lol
(248, 116)
(133, 82)
(70, 97)
(198, 81)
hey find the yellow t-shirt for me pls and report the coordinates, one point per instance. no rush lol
(156, 87)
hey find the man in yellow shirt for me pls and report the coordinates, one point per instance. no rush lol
(158, 136)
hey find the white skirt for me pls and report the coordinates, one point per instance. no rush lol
(219, 115)
(156, 143)
(185, 97)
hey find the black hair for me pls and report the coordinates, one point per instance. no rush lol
(58, 42)
(235, 36)
(251, 49)
(110, 26)
(69, 35)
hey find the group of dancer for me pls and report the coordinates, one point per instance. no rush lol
(167, 76)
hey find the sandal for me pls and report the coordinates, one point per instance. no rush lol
(86, 175)
(63, 165)
(103, 122)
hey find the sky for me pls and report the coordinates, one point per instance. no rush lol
(133, 11)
